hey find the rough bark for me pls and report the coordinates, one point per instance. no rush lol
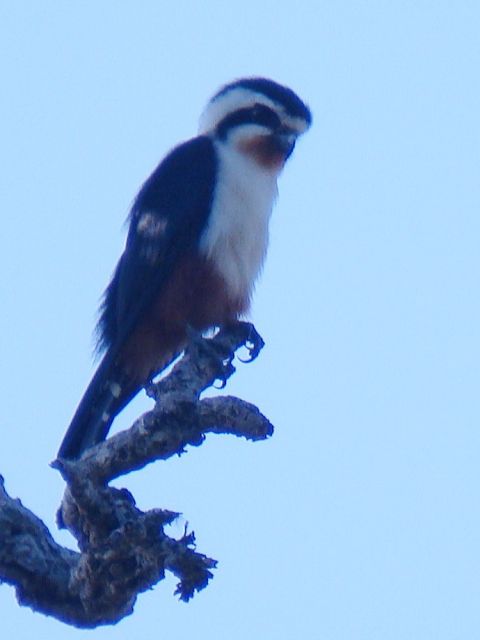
(123, 550)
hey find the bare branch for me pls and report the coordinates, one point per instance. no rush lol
(124, 551)
(33, 562)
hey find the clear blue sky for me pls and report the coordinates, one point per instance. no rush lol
(360, 518)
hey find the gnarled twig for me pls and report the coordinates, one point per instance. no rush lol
(124, 551)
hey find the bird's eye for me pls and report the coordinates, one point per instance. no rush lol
(261, 114)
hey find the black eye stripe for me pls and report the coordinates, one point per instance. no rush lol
(258, 114)
(276, 92)
(264, 115)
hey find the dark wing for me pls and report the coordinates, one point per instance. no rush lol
(166, 221)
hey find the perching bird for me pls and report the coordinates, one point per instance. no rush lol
(196, 243)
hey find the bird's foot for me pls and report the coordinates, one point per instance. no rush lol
(219, 358)
(253, 341)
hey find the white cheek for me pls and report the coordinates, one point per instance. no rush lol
(236, 237)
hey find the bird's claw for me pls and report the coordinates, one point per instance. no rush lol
(254, 343)
(220, 355)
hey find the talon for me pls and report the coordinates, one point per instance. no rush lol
(253, 342)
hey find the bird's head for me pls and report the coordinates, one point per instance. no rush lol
(259, 117)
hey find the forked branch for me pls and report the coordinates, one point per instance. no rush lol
(123, 550)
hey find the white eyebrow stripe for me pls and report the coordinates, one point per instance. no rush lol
(240, 98)
(296, 124)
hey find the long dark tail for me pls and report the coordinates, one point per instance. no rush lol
(106, 395)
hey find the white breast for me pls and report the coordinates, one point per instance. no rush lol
(236, 237)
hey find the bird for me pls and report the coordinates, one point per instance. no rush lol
(196, 243)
